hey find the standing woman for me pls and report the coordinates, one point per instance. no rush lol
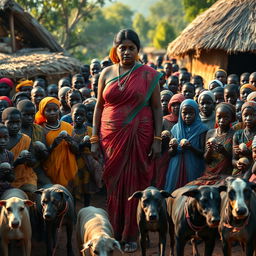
(127, 125)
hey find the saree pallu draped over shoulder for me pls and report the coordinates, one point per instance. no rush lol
(126, 132)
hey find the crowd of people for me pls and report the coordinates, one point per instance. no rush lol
(126, 123)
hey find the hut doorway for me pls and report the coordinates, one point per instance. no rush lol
(241, 62)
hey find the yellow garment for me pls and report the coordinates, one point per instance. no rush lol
(61, 165)
(23, 173)
(26, 83)
(40, 118)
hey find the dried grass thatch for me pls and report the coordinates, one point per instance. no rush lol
(32, 64)
(228, 25)
(27, 28)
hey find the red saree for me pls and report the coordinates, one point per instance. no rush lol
(126, 132)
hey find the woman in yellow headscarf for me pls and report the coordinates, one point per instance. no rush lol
(61, 165)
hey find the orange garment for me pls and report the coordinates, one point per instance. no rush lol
(23, 173)
(61, 165)
(26, 83)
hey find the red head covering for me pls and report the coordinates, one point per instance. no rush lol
(176, 98)
(40, 118)
(6, 81)
(6, 99)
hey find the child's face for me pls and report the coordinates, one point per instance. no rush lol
(26, 89)
(244, 79)
(232, 80)
(230, 96)
(73, 99)
(254, 154)
(4, 138)
(164, 101)
(79, 116)
(188, 115)
(223, 118)
(206, 105)
(184, 78)
(95, 68)
(173, 86)
(52, 91)
(238, 111)
(213, 85)
(252, 79)
(244, 93)
(89, 111)
(78, 82)
(63, 83)
(219, 97)
(176, 108)
(3, 105)
(51, 112)
(37, 94)
(168, 69)
(13, 124)
(4, 89)
(221, 76)
(162, 80)
(197, 82)
(188, 91)
(28, 116)
(249, 117)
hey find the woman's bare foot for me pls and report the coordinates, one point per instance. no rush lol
(130, 247)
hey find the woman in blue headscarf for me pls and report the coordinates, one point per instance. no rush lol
(187, 161)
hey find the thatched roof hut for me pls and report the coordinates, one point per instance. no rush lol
(224, 36)
(27, 49)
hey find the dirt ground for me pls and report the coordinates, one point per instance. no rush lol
(99, 200)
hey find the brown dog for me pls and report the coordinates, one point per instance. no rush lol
(14, 220)
(95, 233)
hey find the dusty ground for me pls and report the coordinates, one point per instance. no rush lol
(38, 249)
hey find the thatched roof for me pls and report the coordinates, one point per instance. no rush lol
(228, 25)
(32, 64)
(27, 29)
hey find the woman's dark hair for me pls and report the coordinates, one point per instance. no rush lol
(127, 34)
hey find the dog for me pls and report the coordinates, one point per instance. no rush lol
(55, 207)
(95, 233)
(152, 216)
(238, 215)
(194, 214)
(14, 220)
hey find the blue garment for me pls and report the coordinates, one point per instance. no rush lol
(67, 118)
(193, 164)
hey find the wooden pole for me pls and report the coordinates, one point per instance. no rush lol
(11, 22)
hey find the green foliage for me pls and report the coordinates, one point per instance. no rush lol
(168, 10)
(62, 17)
(195, 7)
(141, 26)
(164, 34)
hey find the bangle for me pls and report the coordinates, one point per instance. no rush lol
(157, 138)
(94, 139)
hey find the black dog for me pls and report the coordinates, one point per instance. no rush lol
(56, 209)
(238, 215)
(194, 214)
(152, 216)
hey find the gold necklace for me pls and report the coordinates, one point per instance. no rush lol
(122, 85)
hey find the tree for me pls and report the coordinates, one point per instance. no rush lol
(141, 26)
(164, 34)
(62, 17)
(97, 35)
(195, 7)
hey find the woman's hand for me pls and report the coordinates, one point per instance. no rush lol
(155, 149)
